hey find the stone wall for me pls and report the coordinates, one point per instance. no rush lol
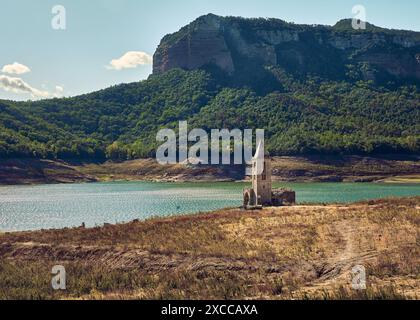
(283, 197)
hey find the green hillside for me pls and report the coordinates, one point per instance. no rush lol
(304, 116)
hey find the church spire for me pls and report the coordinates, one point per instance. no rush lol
(259, 153)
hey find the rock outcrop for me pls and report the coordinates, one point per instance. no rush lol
(238, 45)
(199, 47)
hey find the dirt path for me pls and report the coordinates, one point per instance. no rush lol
(337, 270)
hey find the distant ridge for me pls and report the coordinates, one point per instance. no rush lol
(245, 47)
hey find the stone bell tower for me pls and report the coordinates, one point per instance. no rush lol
(261, 179)
(262, 194)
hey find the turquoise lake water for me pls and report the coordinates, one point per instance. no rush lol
(69, 205)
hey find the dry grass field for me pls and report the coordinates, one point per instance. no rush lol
(301, 252)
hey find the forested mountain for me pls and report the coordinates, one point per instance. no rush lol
(310, 96)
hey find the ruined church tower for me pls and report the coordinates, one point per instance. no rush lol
(261, 183)
(262, 194)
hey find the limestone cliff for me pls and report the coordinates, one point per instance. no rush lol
(240, 46)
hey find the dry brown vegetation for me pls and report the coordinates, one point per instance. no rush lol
(302, 252)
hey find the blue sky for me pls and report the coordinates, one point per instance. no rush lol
(77, 60)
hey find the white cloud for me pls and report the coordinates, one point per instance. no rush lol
(15, 68)
(130, 60)
(59, 90)
(17, 85)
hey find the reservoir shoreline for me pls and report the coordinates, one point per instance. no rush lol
(49, 206)
(392, 169)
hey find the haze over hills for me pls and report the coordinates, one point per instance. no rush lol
(315, 89)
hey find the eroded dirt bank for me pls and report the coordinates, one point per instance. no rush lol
(291, 169)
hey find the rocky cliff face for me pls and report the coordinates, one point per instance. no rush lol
(237, 46)
(195, 47)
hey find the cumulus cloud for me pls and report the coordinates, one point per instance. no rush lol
(59, 90)
(15, 68)
(17, 85)
(130, 60)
